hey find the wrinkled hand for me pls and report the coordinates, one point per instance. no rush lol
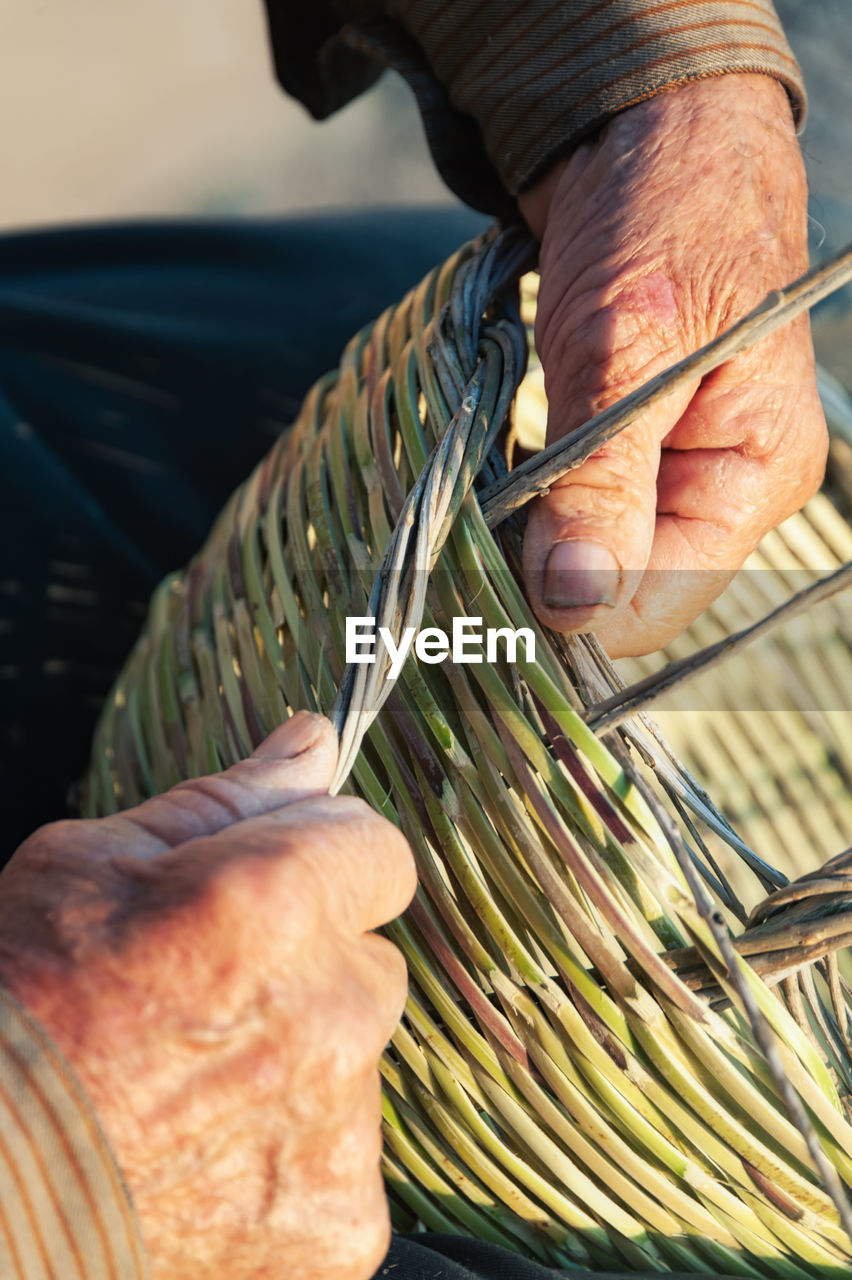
(673, 224)
(205, 963)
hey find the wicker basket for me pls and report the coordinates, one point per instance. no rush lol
(587, 1071)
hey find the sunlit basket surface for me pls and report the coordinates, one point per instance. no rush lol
(555, 1086)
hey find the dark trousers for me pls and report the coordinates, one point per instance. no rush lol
(433, 1257)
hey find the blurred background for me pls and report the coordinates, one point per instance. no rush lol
(115, 110)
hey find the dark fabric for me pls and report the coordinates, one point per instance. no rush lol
(436, 1257)
(143, 371)
(454, 138)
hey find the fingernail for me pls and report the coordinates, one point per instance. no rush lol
(580, 575)
(293, 738)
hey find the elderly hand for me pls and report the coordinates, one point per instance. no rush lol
(673, 224)
(205, 963)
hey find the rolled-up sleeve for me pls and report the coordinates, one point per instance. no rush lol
(507, 86)
(64, 1209)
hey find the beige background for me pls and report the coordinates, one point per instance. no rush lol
(112, 107)
(164, 106)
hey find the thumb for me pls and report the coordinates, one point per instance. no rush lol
(296, 761)
(589, 539)
(75, 861)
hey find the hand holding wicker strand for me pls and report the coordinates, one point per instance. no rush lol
(676, 221)
(205, 964)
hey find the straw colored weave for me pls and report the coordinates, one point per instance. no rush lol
(555, 1085)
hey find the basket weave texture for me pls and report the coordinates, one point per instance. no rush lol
(556, 1085)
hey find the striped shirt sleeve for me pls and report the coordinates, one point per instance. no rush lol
(65, 1213)
(507, 86)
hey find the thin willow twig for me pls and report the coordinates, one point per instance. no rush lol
(764, 1036)
(535, 476)
(610, 712)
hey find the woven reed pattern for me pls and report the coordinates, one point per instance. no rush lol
(555, 1085)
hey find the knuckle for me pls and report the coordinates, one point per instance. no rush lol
(637, 340)
(627, 462)
(213, 796)
(814, 462)
(55, 837)
(620, 476)
(388, 974)
(799, 470)
(368, 999)
(601, 499)
(57, 841)
(610, 333)
(370, 833)
(597, 498)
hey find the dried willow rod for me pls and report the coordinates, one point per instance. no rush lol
(612, 711)
(536, 475)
